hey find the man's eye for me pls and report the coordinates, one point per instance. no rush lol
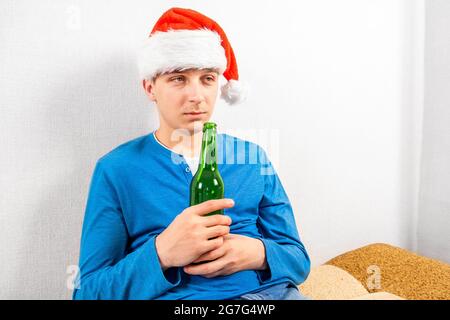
(210, 79)
(177, 79)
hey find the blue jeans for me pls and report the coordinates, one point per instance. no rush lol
(282, 291)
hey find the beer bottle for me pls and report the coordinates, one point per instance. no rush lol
(207, 184)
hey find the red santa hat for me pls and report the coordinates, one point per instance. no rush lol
(186, 39)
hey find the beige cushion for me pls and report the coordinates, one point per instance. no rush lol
(327, 282)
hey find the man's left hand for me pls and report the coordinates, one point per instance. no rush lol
(237, 253)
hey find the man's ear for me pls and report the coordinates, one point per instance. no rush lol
(148, 88)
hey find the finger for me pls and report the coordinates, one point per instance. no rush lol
(213, 244)
(217, 219)
(211, 206)
(221, 272)
(205, 268)
(217, 231)
(211, 255)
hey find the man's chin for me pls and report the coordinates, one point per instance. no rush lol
(195, 126)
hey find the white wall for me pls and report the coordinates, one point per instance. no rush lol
(434, 209)
(337, 81)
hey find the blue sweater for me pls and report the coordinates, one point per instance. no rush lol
(137, 190)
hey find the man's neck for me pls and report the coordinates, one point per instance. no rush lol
(188, 145)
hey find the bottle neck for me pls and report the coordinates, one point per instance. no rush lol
(208, 156)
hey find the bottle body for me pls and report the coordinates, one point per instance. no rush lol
(207, 183)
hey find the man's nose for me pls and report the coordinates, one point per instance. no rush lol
(195, 92)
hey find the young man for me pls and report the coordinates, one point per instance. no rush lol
(140, 238)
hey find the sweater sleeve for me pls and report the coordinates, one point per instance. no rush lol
(107, 270)
(285, 254)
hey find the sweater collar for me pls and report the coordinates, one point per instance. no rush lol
(162, 149)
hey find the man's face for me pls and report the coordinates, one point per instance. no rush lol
(184, 99)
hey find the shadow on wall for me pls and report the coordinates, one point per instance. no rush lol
(86, 116)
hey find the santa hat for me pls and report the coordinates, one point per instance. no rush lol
(185, 39)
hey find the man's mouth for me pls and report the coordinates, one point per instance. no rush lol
(194, 113)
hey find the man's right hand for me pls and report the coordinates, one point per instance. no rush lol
(191, 234)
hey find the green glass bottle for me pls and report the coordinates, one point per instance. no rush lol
(207, 184)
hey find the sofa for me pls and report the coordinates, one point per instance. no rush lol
(379, 271)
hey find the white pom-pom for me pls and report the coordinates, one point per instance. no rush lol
(234, 92)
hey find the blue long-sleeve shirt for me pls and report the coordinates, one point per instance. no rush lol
(139, 188)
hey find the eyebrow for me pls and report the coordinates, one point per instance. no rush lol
(210, 70)
(207, 70)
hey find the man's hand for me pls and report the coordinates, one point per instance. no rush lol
(237, 253)
(191, 234)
